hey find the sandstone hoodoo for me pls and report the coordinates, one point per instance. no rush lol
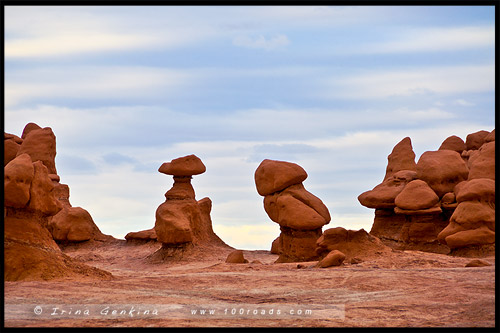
(300, 214)
(33, 198)
(445, 201)
(182, 221)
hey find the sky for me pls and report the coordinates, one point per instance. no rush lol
(333, 89)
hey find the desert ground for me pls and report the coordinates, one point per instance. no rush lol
(398, 289)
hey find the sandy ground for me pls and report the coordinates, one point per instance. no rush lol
(403, 289)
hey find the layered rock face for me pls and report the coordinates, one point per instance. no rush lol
(300, 214)
(32, 191)
(414, 205)
(181, 220)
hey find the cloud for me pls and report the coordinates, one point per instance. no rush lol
(41, 32)
(92, 82)
(65, 44)
(463, 102)
(117, 159)
(412, 82)
(434, 40)
(73, 164)
(277, 41)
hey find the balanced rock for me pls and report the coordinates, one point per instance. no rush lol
(273, 176)
(300, 214)
(181, 221)
(183, 166)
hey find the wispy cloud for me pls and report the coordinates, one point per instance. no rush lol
(260, 42)
(412, 82)
(41, 32)
(92, 82)
(434, 40)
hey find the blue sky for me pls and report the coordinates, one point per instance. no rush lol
(332, 89)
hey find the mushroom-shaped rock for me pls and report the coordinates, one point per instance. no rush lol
(18, 175)
(236, 257)
(383, 195)
(402, 157)
(416, 195)
(300, 214)
(334, 258)
(273, 176)
(442, 170)
(183, 166)
(453, 143)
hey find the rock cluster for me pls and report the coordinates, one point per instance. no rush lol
(32, 201)
(181, 221)
(300, 214)
(448, 192)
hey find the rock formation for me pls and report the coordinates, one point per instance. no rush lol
(236, 257)
(333, 258)
(32, 191)
(300, 214)
(182, 221)
(354, 244)
(415, 205)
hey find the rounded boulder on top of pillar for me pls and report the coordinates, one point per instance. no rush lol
(300, 214)
(183, 166)
(272, 176)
